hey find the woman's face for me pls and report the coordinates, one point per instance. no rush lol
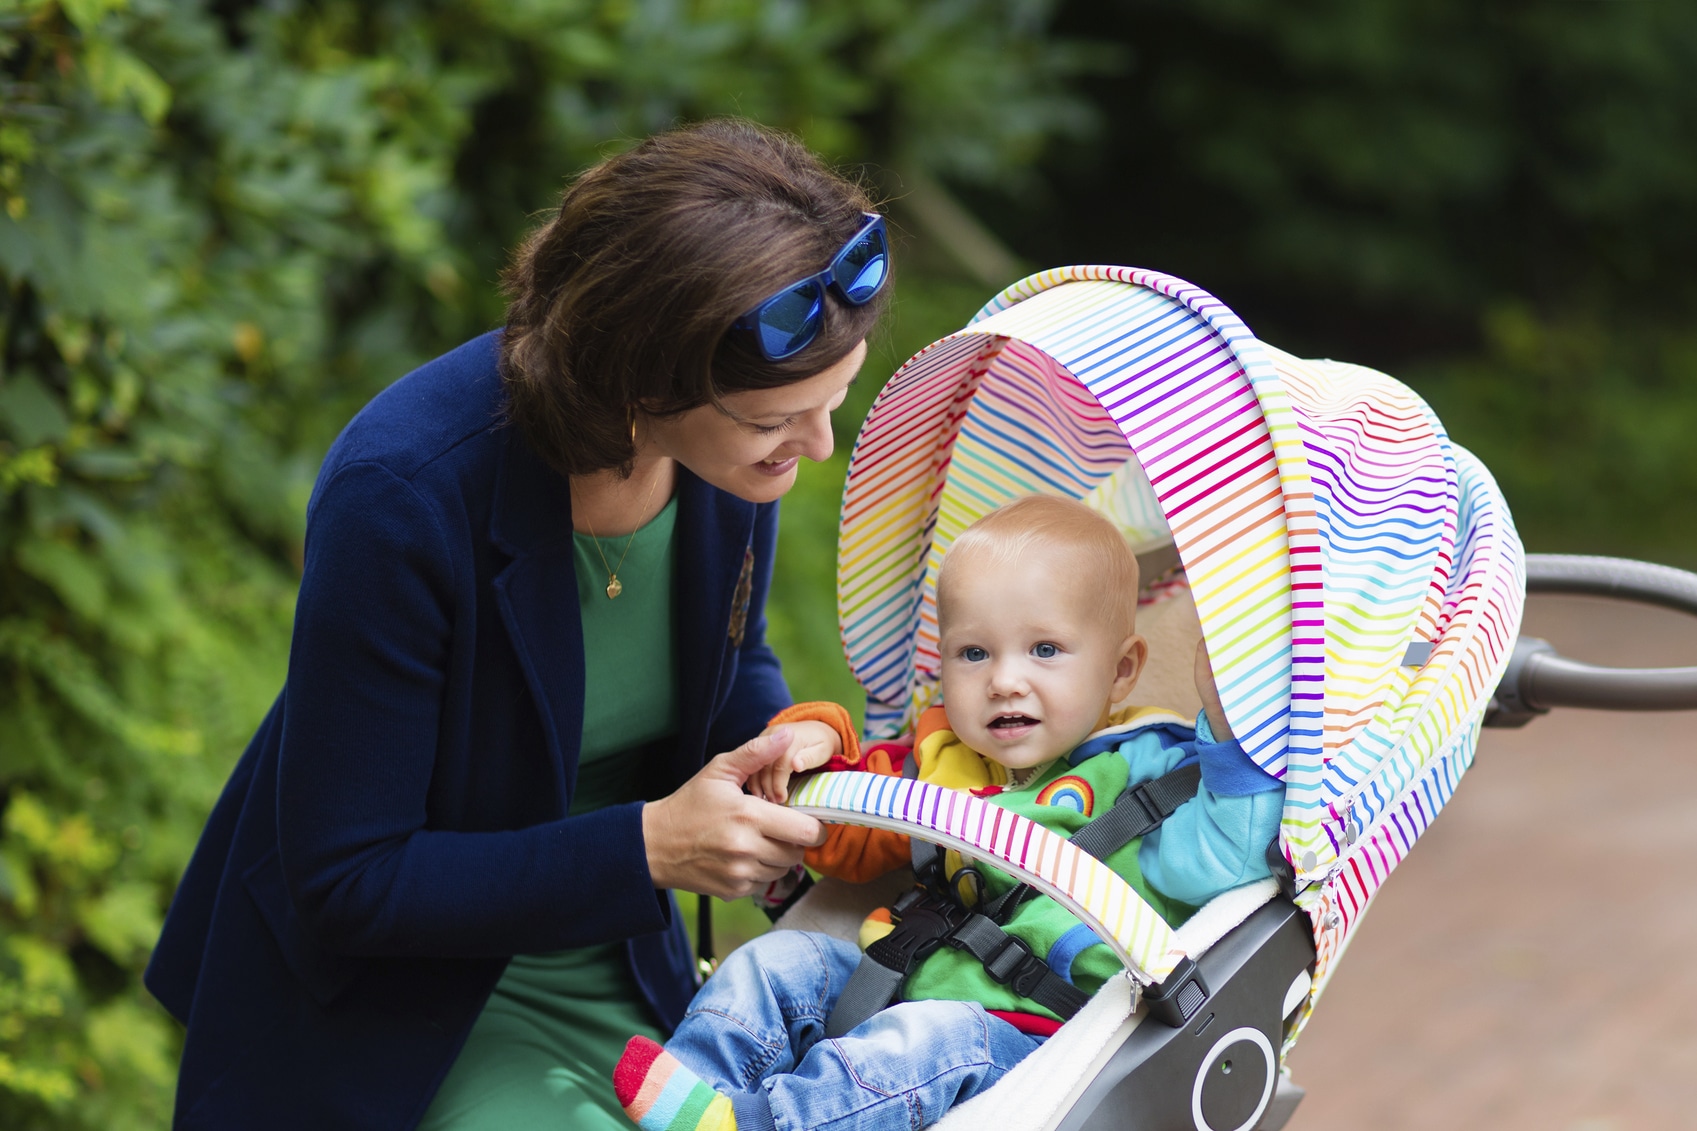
(751, 442)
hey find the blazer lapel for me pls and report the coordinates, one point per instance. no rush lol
(537, 593)
(714, 532)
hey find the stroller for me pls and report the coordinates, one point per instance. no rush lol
(1359, 584)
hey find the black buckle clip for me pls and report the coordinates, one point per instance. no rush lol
(1014, 965)
(925, 921)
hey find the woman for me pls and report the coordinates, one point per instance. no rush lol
(531, 611)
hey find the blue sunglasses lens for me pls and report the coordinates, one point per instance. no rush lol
(789, 321)
(861, 267)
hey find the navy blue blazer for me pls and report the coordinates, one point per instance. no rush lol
(397, 828)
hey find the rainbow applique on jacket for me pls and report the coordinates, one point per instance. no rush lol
(1069, 792)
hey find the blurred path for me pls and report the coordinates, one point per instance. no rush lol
(1533, 964)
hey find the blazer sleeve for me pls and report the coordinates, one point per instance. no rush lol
(758, 690)
(368, 667)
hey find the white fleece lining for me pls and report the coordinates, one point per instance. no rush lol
(1220, 914)
(1038, 1090)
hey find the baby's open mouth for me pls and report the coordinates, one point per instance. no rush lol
(1001, 722)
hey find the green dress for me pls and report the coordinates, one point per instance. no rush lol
(541, 1054)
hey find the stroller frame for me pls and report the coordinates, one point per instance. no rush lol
(1366, 769)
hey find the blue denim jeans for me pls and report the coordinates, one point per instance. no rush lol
(757, 1031)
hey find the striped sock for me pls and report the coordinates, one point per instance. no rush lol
(660, 1094)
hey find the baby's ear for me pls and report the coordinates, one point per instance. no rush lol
(1134, 653)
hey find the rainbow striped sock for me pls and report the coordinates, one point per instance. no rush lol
(660, 1094)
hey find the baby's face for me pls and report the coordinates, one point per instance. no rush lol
(1029, 666)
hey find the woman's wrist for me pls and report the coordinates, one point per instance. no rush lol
(653, 836)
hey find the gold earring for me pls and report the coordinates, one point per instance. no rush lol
(633, 427)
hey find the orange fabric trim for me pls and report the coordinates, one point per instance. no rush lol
(858, 854)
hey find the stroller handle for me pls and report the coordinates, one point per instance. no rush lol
(1538, 678)
(1620, 578)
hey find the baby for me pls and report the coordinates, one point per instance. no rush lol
(1036, 604)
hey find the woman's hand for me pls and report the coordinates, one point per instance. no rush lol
(711, 838)
(812, 744)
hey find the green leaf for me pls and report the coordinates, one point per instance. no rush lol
(30, 413)
(71, 572)
(118, 78)
(124, 921)
(33, 465)
(96, 463)
(125, 1037)
(17, 885)
(69, 841)
(43, 967)
(87, 14)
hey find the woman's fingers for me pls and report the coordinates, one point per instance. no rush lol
(786, 826)
(748, 869)
(745, 761)
(711, 837)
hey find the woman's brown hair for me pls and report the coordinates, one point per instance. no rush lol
(626, 297)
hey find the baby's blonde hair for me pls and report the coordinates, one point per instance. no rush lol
(1046, 520)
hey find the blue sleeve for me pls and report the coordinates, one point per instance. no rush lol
(1218, 839)
(758, 690)
(1151, 753)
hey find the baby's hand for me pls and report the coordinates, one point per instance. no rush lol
(1210, 695)
(812, 744)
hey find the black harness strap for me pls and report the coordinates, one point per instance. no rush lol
(928, 921)
(1138, 811)
(923, 920)
(927, 861)
(1009, 962)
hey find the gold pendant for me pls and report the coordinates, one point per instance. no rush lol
(614, 586)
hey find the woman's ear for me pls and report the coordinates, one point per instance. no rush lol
(1134, 652)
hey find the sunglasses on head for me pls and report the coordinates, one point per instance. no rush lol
(784, 324)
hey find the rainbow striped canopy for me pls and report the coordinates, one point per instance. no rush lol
(1357, 576)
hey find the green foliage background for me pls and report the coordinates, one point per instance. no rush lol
(224, 224)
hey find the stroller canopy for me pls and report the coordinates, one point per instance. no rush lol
(1357, 576)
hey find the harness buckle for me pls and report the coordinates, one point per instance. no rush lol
(925, 921)
(1014, 965)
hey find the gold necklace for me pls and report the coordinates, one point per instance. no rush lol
(614, 585)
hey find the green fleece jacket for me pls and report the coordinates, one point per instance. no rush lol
(1214, 842)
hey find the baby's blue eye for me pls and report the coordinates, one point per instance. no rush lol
(974, 655)
(1045, 651)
